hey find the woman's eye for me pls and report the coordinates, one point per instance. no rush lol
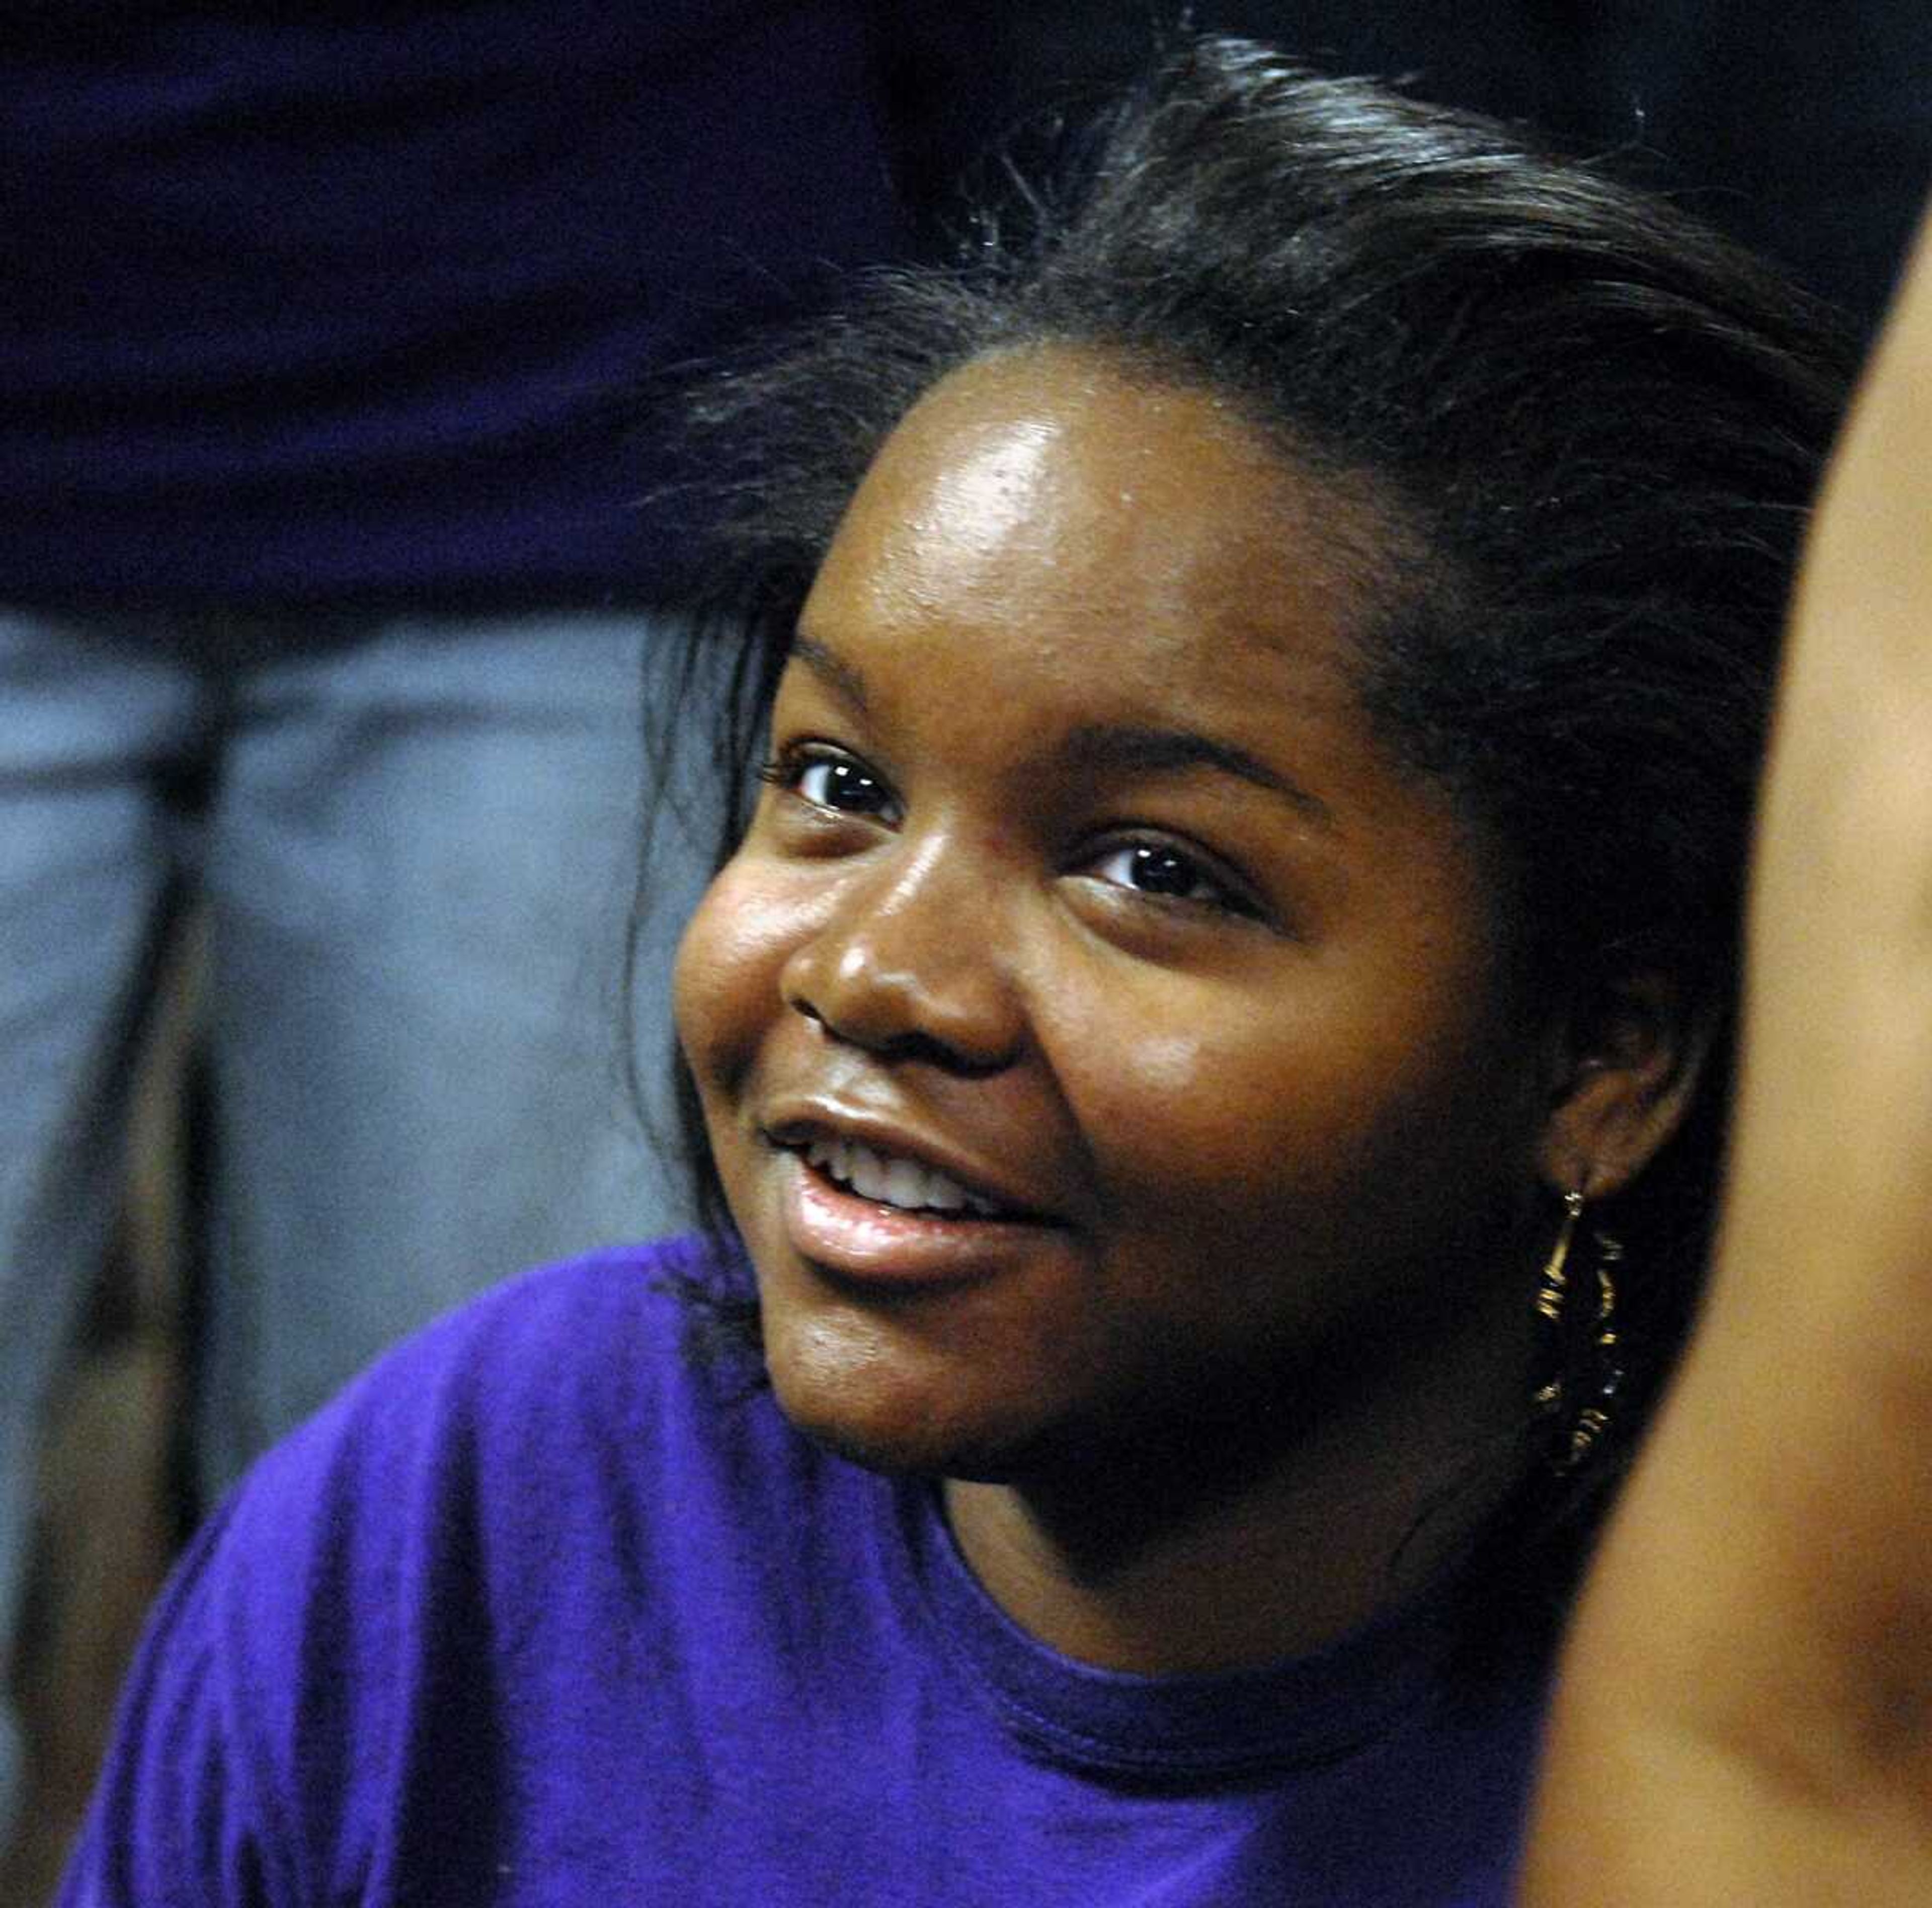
(839, 782)
(1150, 868)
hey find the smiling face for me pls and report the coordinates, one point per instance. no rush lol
(1100, 1036)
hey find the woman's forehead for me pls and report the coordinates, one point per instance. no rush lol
(1015, 422)
(1052, 562)
(1060, 487)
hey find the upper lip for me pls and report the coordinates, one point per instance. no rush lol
(793, 1121)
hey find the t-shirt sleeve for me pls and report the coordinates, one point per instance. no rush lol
(258, 1728)
(262, 1726)
(187, 1810)
(362, 1595)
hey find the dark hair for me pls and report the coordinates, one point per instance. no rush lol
(1597, 425)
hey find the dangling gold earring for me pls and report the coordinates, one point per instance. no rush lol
(1584, 1379)
(1554, 1285)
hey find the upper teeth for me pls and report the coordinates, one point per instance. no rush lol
(892, 1181)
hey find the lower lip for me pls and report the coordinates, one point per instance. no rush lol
(872, 1244)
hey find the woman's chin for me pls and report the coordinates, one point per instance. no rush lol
(902, 1423)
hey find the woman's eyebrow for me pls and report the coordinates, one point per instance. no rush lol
(1097, 749)
(837, 674)
(1100, 748)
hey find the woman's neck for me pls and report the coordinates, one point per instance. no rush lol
(1164, 1561)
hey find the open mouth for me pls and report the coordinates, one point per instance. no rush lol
(887, 1180)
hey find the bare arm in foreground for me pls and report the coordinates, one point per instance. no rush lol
(1746, 1711)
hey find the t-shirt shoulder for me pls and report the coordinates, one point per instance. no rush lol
(511, 1456)
(564, 1386)
(591, 1336)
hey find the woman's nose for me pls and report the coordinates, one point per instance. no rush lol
(911, 962)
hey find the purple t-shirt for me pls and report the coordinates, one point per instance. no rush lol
(542, 1611)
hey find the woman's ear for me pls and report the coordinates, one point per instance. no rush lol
(1631, 1051)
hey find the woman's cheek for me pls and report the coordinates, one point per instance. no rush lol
(727, 984)
(714, 985)
(1169, 1070)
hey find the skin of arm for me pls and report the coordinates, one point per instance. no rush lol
(1745, 1711)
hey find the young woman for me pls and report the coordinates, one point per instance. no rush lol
(1210, 1043)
